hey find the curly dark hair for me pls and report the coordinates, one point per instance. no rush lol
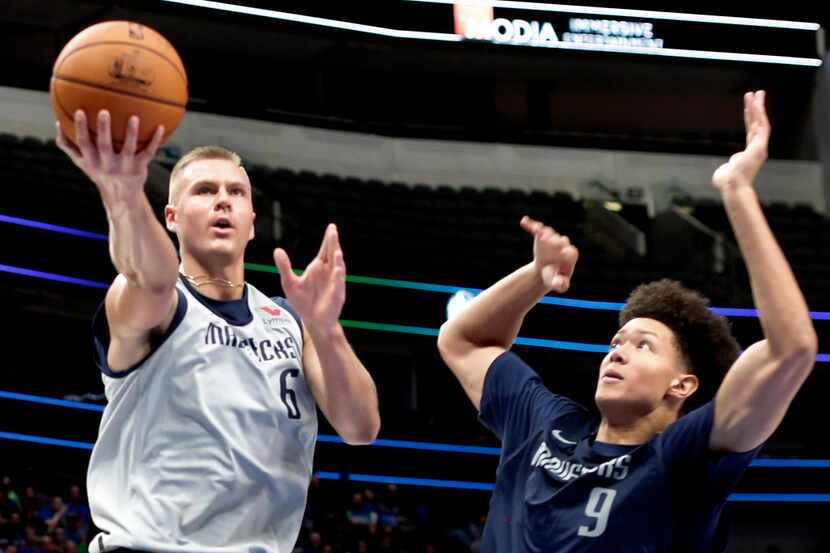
(704, 339)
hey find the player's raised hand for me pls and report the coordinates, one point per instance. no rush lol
(319, 294)
(742, 167)
(119, 176)
(554, 256)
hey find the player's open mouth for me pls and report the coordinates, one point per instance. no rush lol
(612, 376)
(222, 223)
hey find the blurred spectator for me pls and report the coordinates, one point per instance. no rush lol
(12, 530)
(315, 541)
(30, 541)
(77, 506)
(6, 486)
(369, 500)
(31, 500)
(31, 503)
(74, 533)
(389, 509)
(58, 538)
(53, 514)
(321, 507)
(469, 536)
(78, 519)
(361, 513)
(361, 547)
(387, 540)
(7, 507)
(372, 520)
(47, 545)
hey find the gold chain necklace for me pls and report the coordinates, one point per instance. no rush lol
(202, 280)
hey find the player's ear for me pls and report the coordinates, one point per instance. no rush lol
(170, 218)
(684, 386)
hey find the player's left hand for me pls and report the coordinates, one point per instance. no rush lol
(318, 295)
(742, 167)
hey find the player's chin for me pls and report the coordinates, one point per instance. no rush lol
(611, 395)
(227, 250)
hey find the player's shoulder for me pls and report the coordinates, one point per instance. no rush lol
(507, 365)
(698, 420)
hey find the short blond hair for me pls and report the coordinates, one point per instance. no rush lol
(202, 152)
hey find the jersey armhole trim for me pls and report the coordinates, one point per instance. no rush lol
(101, 349)
(282, 302)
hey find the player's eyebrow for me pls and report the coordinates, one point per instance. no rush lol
(637, 331)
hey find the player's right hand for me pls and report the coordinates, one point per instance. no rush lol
(119, 176)
(553, 255)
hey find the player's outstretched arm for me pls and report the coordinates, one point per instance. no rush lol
(758, 389)
(488, 325)
(142, 298)
(341, 385)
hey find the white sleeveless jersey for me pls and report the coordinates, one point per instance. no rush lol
(207, 444)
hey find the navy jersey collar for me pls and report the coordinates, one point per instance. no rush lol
(589, 446)
(234, 312)
(611, 450)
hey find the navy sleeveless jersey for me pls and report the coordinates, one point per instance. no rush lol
(559, 490)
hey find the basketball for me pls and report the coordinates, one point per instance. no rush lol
(126, 68)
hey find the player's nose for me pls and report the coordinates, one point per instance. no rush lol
(618, 356)
(223, 200)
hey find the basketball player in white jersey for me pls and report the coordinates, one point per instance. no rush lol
(207, 441)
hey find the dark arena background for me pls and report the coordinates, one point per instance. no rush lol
(425, 138)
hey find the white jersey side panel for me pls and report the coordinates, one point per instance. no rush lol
(208, 445)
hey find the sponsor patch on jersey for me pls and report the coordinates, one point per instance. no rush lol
(274, 317)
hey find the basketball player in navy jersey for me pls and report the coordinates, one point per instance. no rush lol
(652, 474)
(207, 440)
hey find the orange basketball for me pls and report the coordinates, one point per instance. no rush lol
(123, 67)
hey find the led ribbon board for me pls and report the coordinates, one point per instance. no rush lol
(587, 28)
(638, 32)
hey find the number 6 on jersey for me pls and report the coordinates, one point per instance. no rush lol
(289, 398)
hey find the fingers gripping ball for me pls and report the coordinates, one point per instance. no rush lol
(123, 67)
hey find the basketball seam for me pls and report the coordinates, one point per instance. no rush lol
(124, 92)
(112, 42)
(115, 141)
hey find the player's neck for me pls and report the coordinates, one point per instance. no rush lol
(633, 431)
(216, 281)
